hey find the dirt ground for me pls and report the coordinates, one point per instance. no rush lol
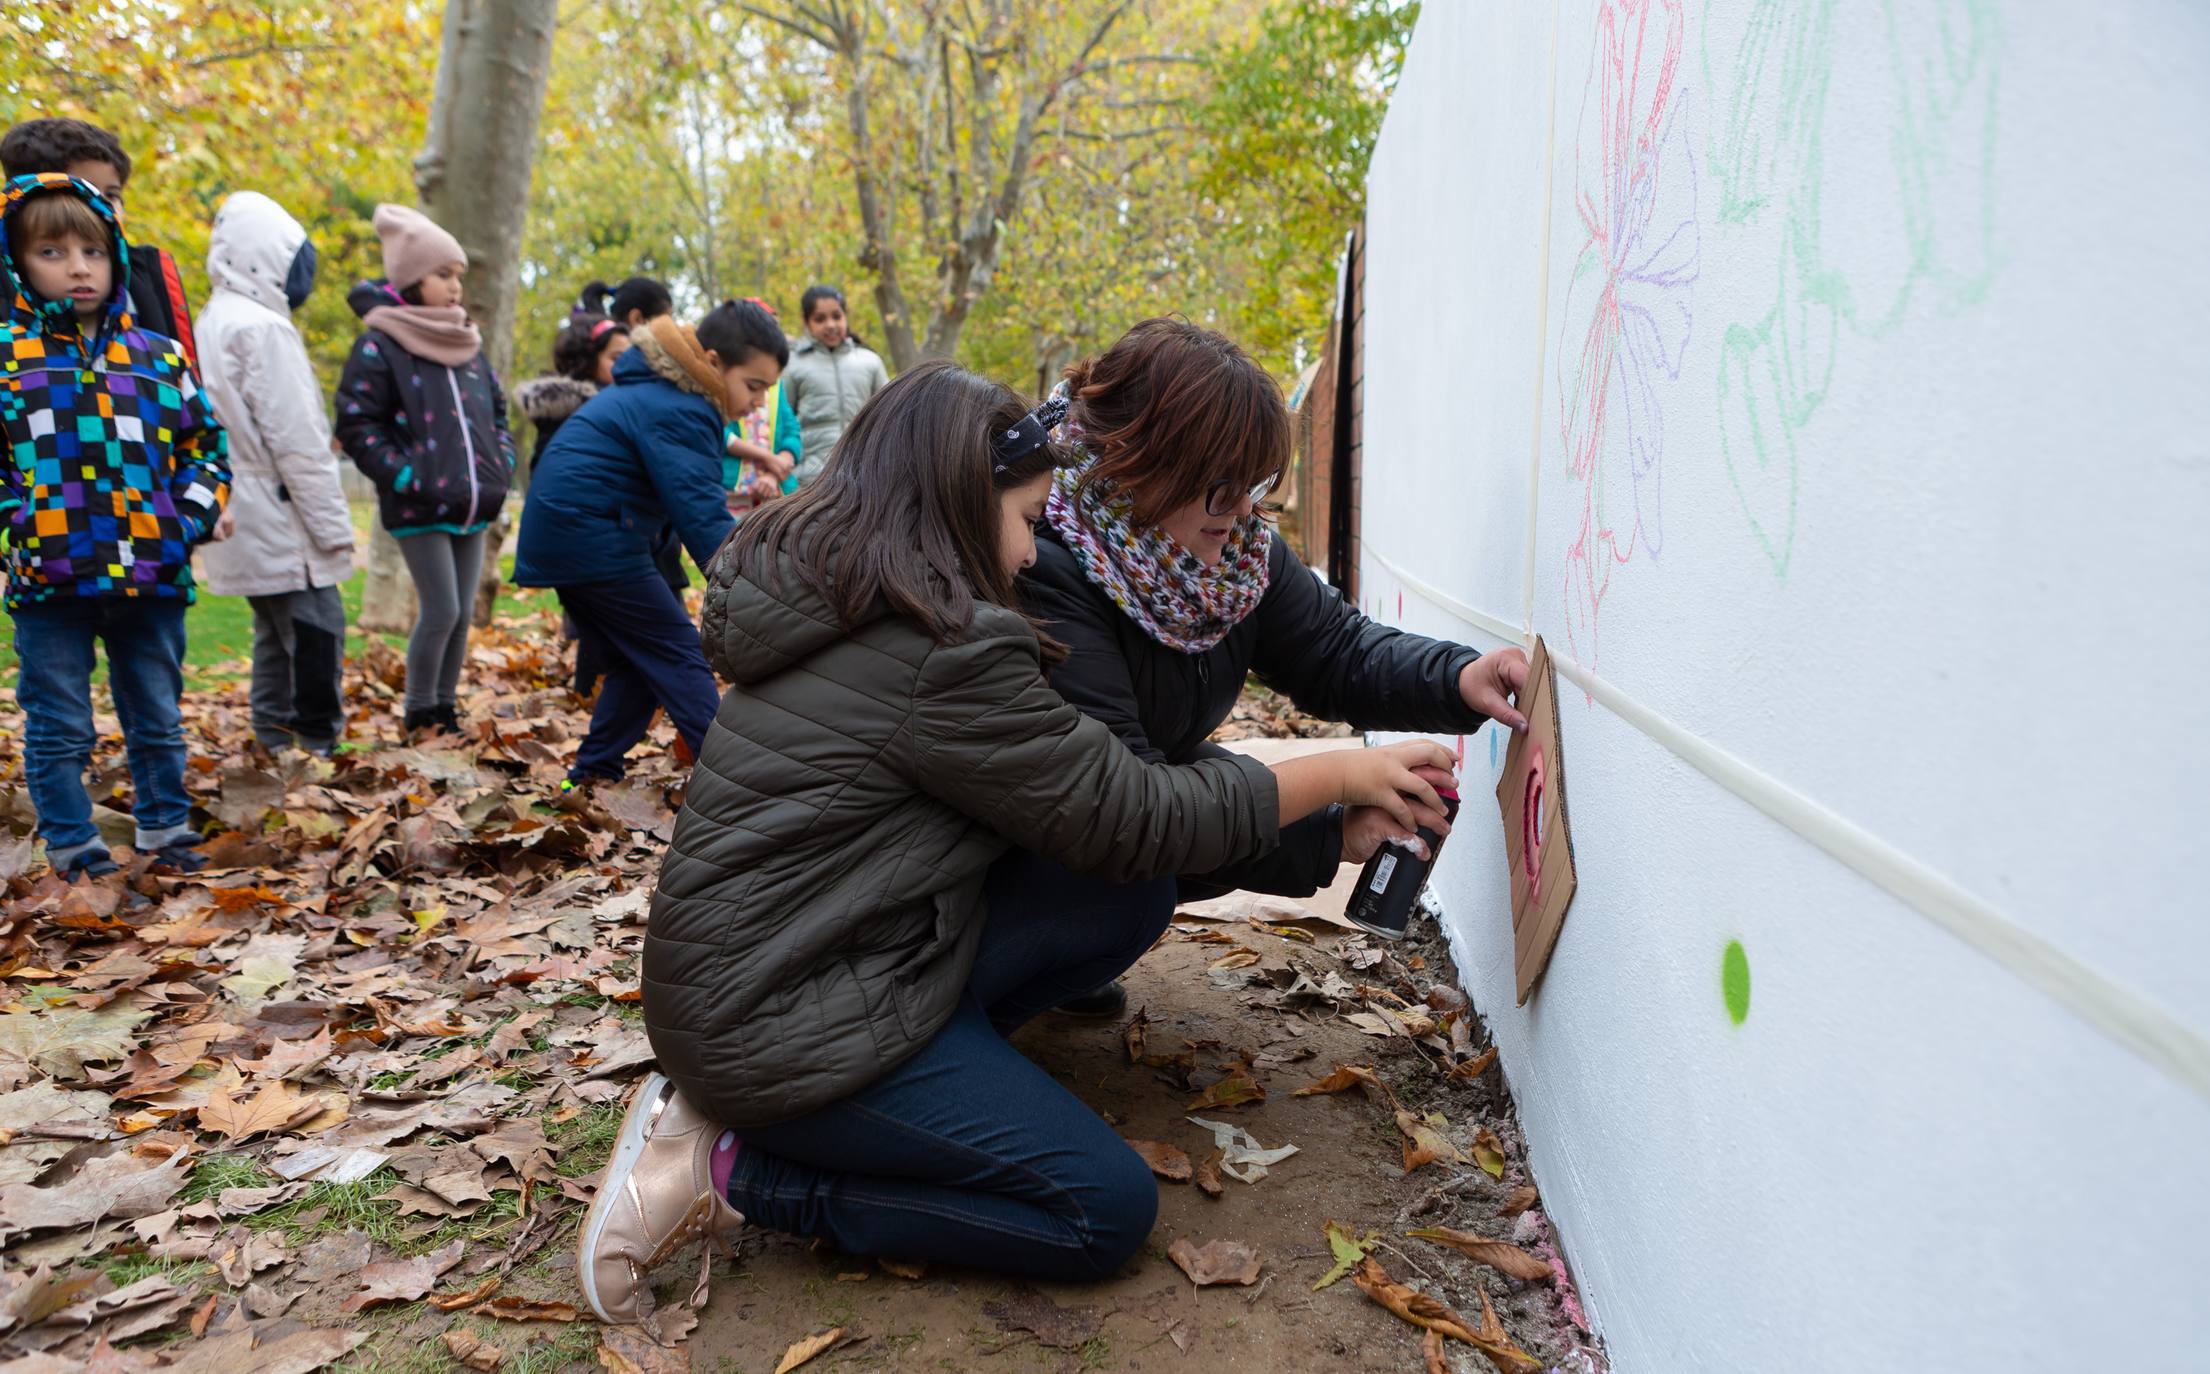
(1349, 1169)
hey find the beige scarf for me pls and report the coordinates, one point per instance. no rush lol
(440, 333)
(672, 350)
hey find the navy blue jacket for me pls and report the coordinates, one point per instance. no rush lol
(641, 456)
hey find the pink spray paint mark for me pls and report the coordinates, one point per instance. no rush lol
(1530, 826)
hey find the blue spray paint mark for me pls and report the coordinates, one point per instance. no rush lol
(1496, 765)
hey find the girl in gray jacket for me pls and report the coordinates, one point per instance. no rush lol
(836, 955)
(831, 375)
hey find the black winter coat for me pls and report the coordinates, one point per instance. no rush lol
(819, 908)
(1302, 640)
(433, 439)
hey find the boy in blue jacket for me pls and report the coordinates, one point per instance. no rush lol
(116, 469)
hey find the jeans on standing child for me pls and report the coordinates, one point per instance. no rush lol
(969, 1153)
(54, 648)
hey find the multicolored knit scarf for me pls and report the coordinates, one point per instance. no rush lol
(1161, 586)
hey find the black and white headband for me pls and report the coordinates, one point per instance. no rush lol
(1032, 432)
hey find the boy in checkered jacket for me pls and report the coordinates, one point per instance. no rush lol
(115, 469)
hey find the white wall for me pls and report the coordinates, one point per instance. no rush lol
(1828, 383)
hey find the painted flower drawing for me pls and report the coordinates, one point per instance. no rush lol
(1626, 308)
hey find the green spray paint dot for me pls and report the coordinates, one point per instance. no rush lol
(1734, 981)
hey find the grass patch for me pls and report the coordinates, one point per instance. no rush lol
(585, 1140)
(335, 1208)
(216, 1174)
(123, 1270)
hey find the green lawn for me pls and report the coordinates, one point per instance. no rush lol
(218, 630)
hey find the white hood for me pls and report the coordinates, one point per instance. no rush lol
(251, 249)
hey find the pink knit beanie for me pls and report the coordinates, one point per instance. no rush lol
(414, 245)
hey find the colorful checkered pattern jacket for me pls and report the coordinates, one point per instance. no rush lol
(116, 466)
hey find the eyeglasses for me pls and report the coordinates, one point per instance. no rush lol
(1222, 496)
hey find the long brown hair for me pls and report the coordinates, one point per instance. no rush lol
(906, 511)
(1170, 409)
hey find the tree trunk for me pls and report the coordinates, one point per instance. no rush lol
(473, 177)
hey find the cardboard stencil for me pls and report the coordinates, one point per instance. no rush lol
(1537, 839)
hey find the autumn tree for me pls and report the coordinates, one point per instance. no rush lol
(473, 176)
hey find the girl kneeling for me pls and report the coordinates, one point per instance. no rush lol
(832, 969)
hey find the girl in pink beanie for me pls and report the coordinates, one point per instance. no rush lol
(423, 417)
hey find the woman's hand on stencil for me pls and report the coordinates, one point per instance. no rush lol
(1491, 684)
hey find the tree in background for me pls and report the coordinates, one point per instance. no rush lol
(473, 175)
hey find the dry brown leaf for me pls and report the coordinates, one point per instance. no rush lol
(1208, 1174)
(1134, 1037)
(636, 1350)
(1488, 1152)
(1216, 1261)
(472, 1352)
(1415, 1307)
(1520, 1200)
(1499, 1255)
(275, 1107)
(1431, 1346)
(513, 1309)
(401, 1280)
(453, 1302)
(821, 1344)
(1343, 1080)
(1423, 1143)
(904, 1269)
(1238, 1089)
(1169, 1162)
(1492, 1341)
(1476, 1066)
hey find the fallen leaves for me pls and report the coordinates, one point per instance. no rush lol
(1237, 1089)
(1343, 1080)
(1499, 1255)
(275, 1107)
(1169, 1162)
(401, 1280)
(472, 1352)
(1520, 1200)
(1350, 1251)
(802, 1351)
(1434, 1316)
(1424, 1142)
(1488, 1152)
(60, 1041)
(1216, 1261)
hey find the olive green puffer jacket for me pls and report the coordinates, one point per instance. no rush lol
(819, 908)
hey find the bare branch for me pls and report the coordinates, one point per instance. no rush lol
(811, 35)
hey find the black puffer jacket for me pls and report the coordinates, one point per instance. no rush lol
(433, 439)
(546, 402)
(1302, 640)
(821, 902)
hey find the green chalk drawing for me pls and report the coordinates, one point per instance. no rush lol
(1734, 981)
(1769, 156)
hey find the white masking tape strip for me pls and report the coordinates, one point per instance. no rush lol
(2120, 1012)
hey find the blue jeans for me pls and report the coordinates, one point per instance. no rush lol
(145, 671)
(639, 639)
(967, 1153)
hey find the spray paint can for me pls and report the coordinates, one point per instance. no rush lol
(1389, 888)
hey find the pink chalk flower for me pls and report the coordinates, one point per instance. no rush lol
(1626, 308)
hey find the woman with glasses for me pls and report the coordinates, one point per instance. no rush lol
(1159, 570)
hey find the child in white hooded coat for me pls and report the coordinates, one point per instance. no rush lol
(293, 545)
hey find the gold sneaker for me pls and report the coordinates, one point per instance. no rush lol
(656, 1195)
